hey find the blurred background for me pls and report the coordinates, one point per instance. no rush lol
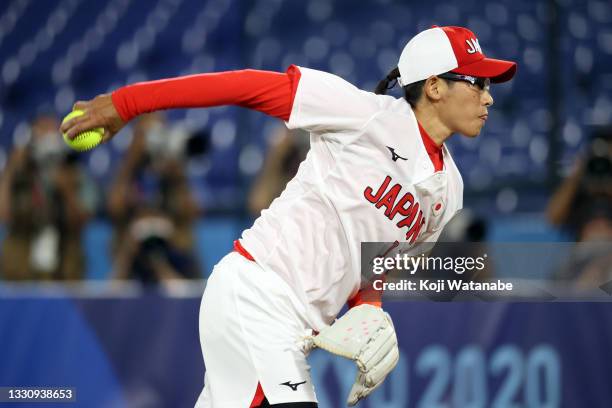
(104, 254)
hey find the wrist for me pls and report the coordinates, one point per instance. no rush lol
(119, 97)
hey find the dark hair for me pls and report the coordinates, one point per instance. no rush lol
(412, 92)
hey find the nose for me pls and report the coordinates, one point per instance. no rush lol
(487, 98)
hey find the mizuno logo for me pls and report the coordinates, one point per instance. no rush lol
(293, 386)
(395, 156)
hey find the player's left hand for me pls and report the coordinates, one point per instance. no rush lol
(99, 112)
(364, 334)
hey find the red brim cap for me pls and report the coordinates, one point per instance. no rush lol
(496, 70)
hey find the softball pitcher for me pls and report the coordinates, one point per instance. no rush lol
(377, 170)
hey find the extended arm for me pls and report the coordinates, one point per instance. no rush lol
(269, 92)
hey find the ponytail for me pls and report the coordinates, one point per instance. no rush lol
(384, 85)
(412, 92)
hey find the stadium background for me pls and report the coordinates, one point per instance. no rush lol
(139, 347)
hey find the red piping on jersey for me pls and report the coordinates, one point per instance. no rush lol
(269, 92)
(433, 150)
(242, 251)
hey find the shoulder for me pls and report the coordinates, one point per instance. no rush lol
(338, 86)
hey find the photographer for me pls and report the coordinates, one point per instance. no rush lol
(45, 200)
(153, 209)
(582, 205)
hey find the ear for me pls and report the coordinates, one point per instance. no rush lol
(434, 88)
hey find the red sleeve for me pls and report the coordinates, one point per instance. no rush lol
(269, 92)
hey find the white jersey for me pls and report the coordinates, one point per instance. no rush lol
(367, 177)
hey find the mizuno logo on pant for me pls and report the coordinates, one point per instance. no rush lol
(293, 386)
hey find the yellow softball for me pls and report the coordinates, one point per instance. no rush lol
(85, 140)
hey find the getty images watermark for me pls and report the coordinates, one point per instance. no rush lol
(411, 264)
(523, 271)
(444, 272)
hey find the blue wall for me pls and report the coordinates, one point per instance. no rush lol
(144, 351)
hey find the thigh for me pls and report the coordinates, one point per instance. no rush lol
(274, 327)
(249, 332)
(230, 379)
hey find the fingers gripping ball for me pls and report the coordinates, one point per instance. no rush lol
(85, 140)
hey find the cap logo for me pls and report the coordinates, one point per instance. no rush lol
(473, 46)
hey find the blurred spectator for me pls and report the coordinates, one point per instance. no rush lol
(583, 202)
(152, 208)
(288, 150)
(583, 206)
(45, 200)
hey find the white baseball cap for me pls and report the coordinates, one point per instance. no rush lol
(443, 49)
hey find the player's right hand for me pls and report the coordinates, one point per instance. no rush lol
(99, 112)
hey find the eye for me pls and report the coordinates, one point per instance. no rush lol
(482, 83)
